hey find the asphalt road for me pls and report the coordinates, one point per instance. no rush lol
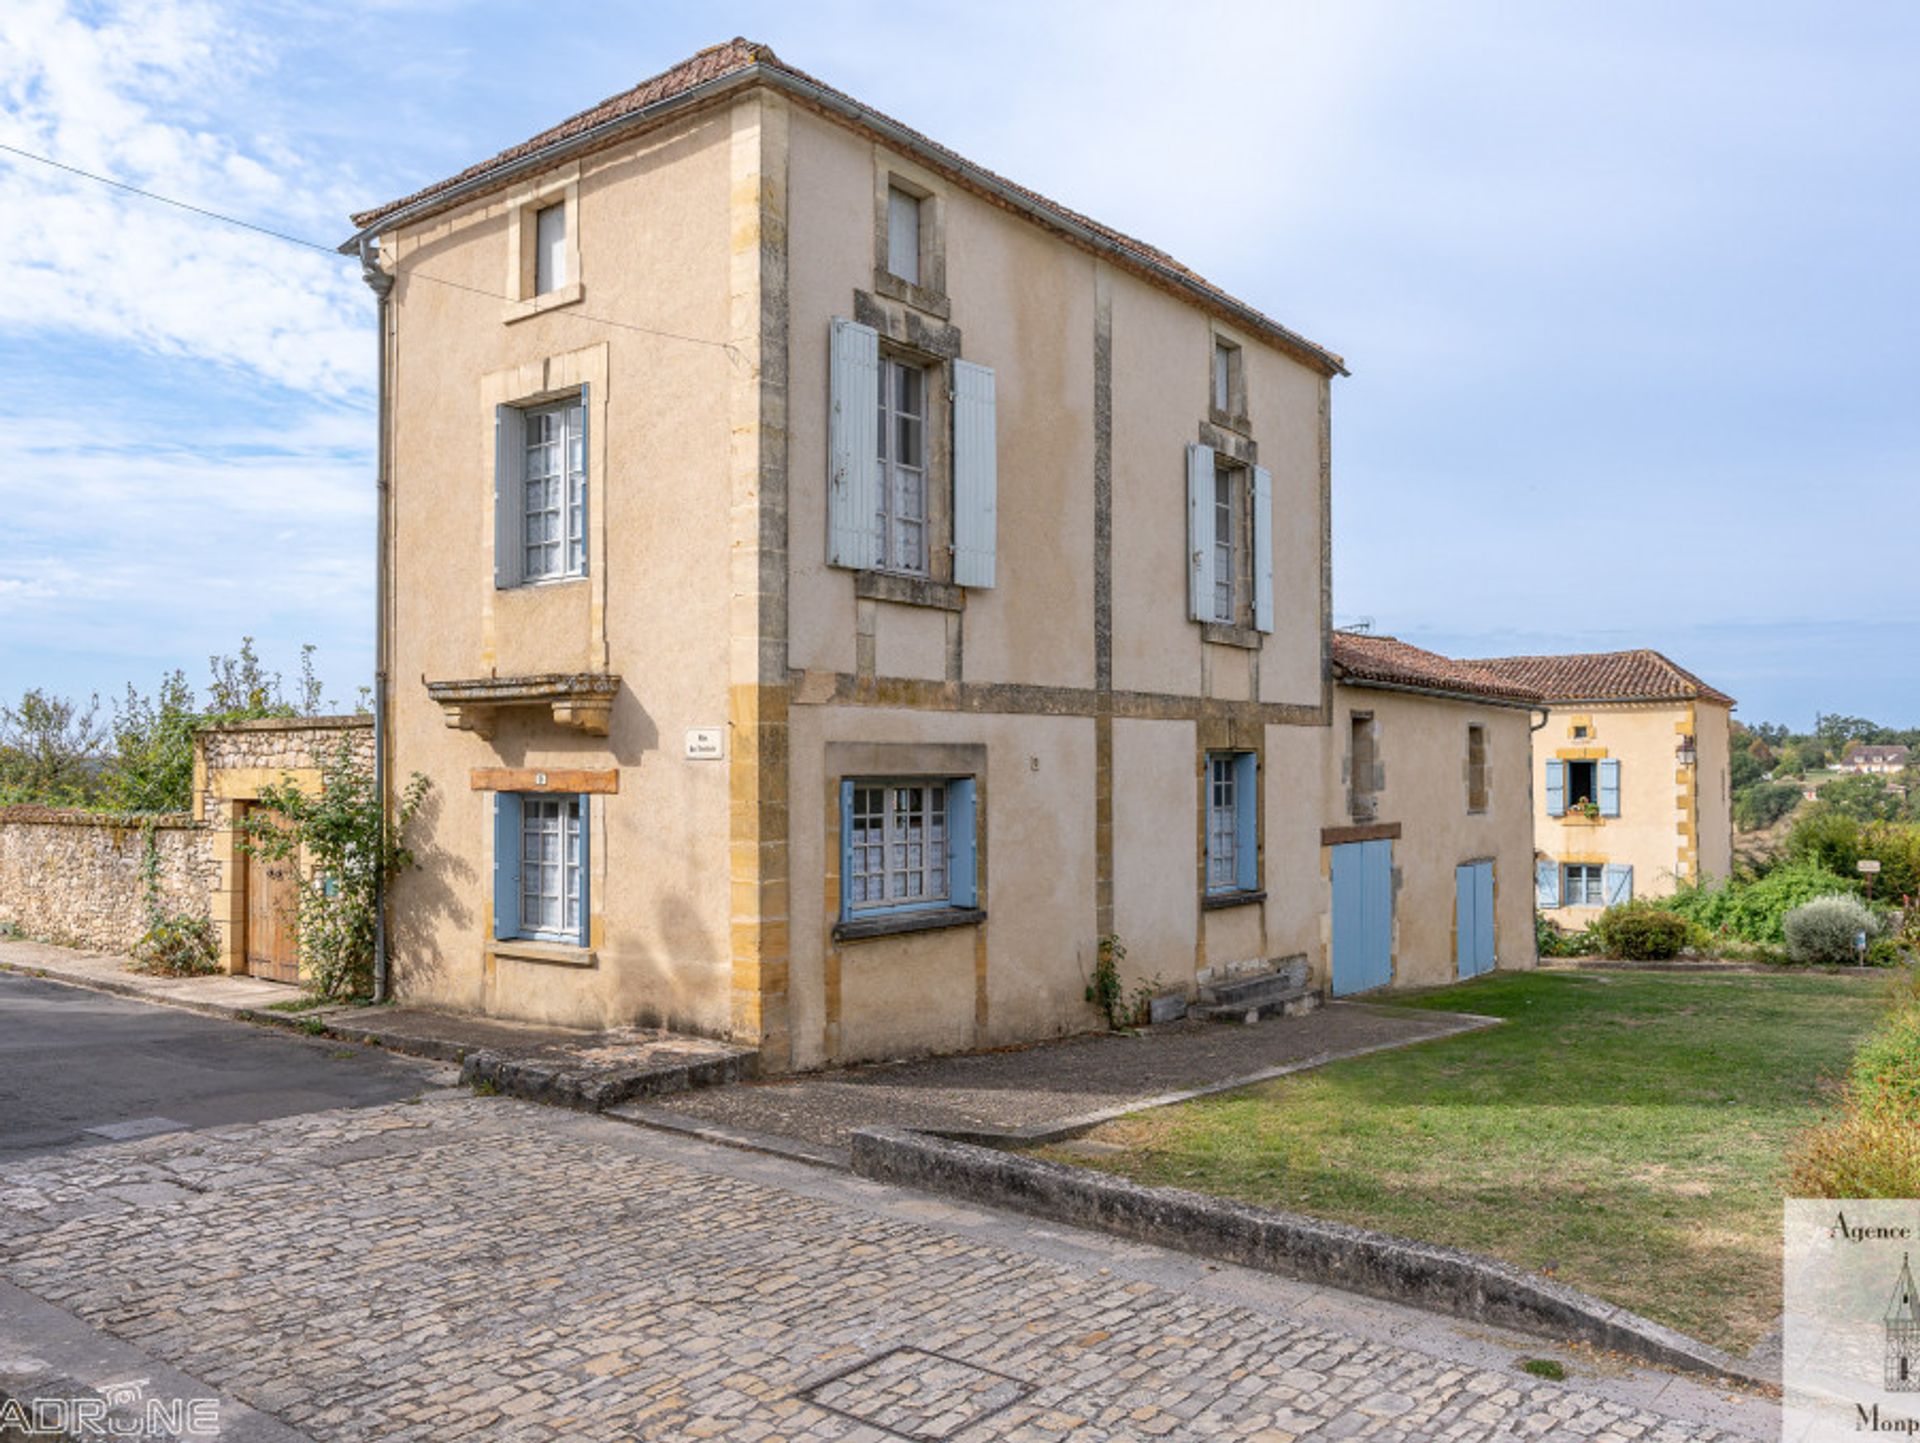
(79, 1067)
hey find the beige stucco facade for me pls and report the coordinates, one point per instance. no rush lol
(714, 683)
(1439, 817)
(1674, 819)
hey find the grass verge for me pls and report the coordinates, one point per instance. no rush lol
(1625, 1133)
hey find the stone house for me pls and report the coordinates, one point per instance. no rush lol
(1428, 833)
(1633, 778)
(833, 587)
(1878, 760)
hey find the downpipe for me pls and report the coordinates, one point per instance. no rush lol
(381, 284)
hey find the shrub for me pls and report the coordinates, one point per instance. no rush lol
(1886, 1069)
(1552, 941)
(1753, 907)
(1761, 804)
(177, 946)
(1868, 1151)
(1824, 929)
(1642, 932)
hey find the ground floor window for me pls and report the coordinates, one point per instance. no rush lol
(1583, 887)
(540, 867)
(1233, 809)
(907, 844)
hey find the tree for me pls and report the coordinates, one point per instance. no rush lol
(1743, 770)
(1837, 730)
(1865, 799)
(49, 749)
(152, 766)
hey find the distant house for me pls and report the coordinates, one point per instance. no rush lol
(1633, 783)
(1428, 832)
(1879, 760)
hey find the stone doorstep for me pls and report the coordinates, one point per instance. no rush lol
(564, 1077)
(1420, 1275)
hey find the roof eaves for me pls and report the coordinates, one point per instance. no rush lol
(825, 96)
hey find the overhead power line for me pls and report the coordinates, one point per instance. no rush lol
(731, 350)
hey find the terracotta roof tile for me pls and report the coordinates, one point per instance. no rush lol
(1388, 660)
(1641, 675)
(718, 61)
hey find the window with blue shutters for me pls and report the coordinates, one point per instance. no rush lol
(540, 867)
(540, 492)
(907, 845)
(1233, 822)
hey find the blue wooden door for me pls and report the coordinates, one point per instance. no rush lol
(1362, 916)
(1473, 918)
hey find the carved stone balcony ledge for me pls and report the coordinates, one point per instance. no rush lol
(583, 700)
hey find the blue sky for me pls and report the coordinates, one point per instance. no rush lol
(1629, 293)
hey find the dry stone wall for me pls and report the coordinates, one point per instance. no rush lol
(74, 877)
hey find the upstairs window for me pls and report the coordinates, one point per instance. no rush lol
(549, 249)
(902, 511)
(1583, 785)
(1229, 544)
(1228, 396)
(1476, 768)
(540, 491)
(903, 235)
(1363, 767)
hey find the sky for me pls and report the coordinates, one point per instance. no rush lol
(1629, 293)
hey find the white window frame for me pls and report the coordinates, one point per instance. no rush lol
(905, 538)
(562, 495)
(1223, 823)
(1583, 895)
(1230, 552)
(552, 881)
(900, 825)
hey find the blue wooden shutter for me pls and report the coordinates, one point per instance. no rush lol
(509, 499)
(963, 877)
(1483, 917)
(586, 869)
(846, 848)
(506, 865)
(1262, 549)
(975, 474)
(1546, 884)
(1200, 532)
(853, 446)
(1610, 788)
(1464, 896)
(1246, 821)
(1556, 789)
(1618, 883)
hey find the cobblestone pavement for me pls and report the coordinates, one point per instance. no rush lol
(467, 1267)
(1050, 1081)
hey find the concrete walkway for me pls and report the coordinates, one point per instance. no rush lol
(1041, 1090)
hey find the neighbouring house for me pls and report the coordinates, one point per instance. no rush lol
(1428, 839)
(1881, 760)
(832, 587)
(1633, 781)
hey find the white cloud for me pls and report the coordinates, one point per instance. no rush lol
(136, 90)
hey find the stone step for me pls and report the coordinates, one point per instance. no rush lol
(1276, 1002)
(1253, 986)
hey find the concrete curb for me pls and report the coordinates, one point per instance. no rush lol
(742, 1139)
(1420, 1275)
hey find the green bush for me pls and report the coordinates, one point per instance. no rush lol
(1751, 908)
(1870, 1150)
(177, 946)
(1552, 941)
(1762, 804)
(1824, 929)
(1886, 1069)
(1641, 931)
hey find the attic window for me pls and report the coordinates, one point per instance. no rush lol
(903, 235)
(550, 249)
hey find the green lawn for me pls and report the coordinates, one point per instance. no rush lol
(1624, 1130)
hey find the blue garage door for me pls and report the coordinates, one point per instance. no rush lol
(1473, 918)
(1362, 916)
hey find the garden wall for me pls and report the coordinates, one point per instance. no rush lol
(74, 877)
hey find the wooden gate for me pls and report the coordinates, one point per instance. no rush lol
(272, 895)
(1473, 918)
(1362, 916)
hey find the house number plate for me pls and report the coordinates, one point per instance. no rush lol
(706, 744)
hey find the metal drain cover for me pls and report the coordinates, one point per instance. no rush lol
(135, 1127)
(912, 1393)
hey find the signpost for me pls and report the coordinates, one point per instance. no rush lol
(1868, 868)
